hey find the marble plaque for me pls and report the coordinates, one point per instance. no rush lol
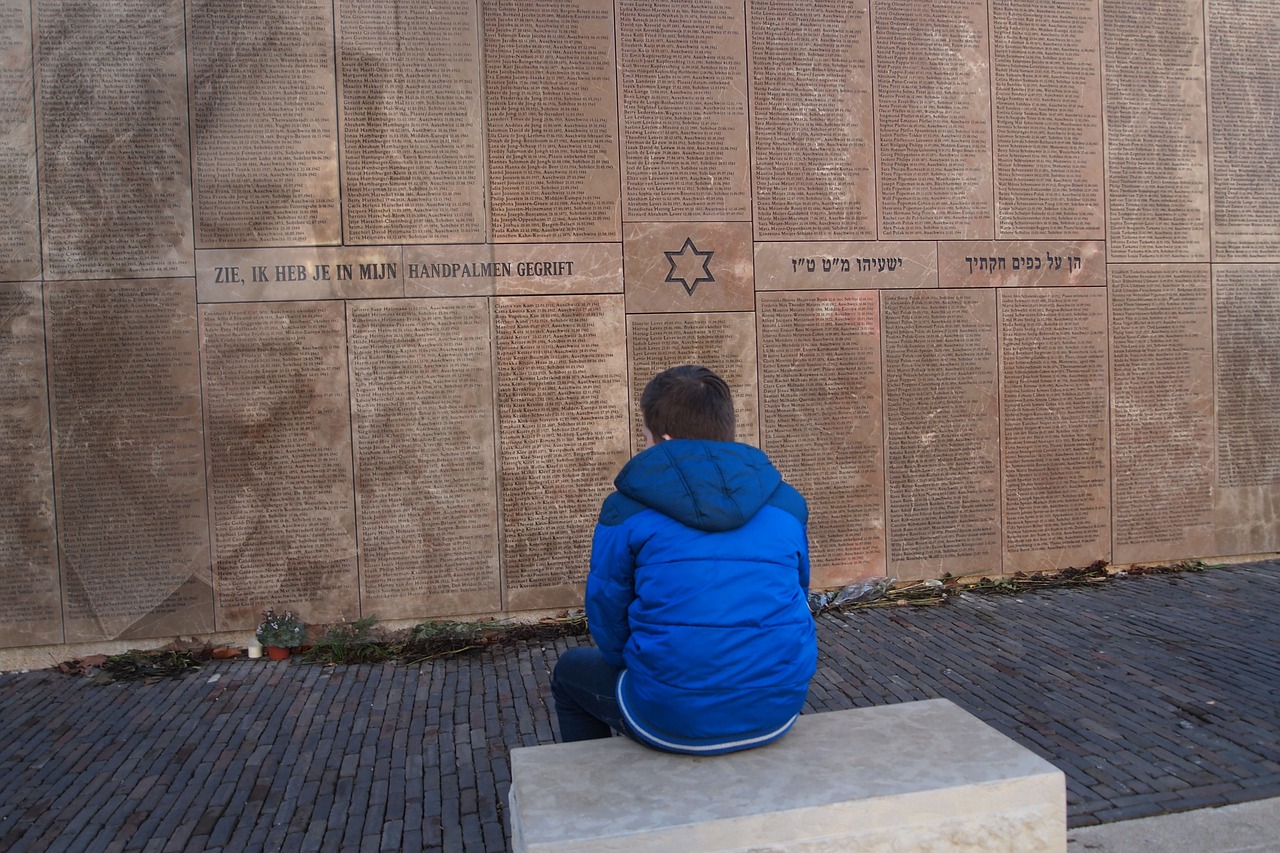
(551, 94)
(942, 445)
(513, 269)
(822, 410)
(883, 265)
(688, 266)
(1161, 411)
(426, 483)
(30, 602)
(1047, 104)
(1244, 96)
(410, 118)
(19, 222)
(682, 90)
(1157, 151)
(277, 415)
(1055, 474)
(933, 128)
(811, 132)
(267, 275)
(563, 436)
(1246, 320)
(264, 123)
(1003, 263)
(129, 480)
(111, 113)
(726, 343)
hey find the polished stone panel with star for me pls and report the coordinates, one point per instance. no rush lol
(688, 266)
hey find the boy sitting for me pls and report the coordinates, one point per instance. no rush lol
(697, 592)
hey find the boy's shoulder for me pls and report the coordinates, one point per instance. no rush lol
(788, 499)
(617, 508)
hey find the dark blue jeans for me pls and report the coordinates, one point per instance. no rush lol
(583, 686)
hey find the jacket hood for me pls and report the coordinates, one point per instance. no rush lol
(707, 485)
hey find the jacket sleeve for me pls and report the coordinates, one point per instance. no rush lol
(610, 590)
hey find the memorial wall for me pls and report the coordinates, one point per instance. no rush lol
(345, 307)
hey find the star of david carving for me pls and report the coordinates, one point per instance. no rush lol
(689, 266)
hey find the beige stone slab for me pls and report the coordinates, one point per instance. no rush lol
(724, 342)
(883, 265)
(1161, 411)
(1244, 199)
(277, 417)
(264, 124)
(942, 454)
(1004, 263)
(1055, 450)
(129, 479)
(1047, 105)
(425, 463)
(1156, 138)
(19, 198)
(563, 435)
(551, 94)
(30, 598)
(688, 266)
(915, 776)
(410, 119)
(269, 275)
(111, 117)
(1246, 318)
(933, 132)
(822, 406)
(812, 160)
(682, 84)
(508, 269)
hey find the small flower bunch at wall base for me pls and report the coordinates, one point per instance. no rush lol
(281, 631)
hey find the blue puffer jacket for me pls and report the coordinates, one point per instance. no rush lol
(698, 585)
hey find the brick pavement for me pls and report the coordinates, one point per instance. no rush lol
(1153, 694)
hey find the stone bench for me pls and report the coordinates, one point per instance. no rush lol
(922, 776)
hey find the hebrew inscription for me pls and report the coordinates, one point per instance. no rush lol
(425, 478)
(822, 410)
(124, 389)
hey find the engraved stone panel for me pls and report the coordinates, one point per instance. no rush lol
(1161, 411)
(30, 604)
(1004, 263)
(111, 109)
(942, 444)
(1244, 100)
(933, 127)
(682, 90)
(822, 408)
(425, 461)
(563, 425)
(1053, 428)
(410, 116)
(1246, 318)
(1157, 152)
(264, 123)
(551, 95)
(251, 275)
(280, 475)
(845, 266)
(124, 387)
(512, 269)
(726, 343)
(691, 267)
(811, 121)
(1047, 93)
(19, 230)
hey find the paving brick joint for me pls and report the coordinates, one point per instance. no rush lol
(1153, 694)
